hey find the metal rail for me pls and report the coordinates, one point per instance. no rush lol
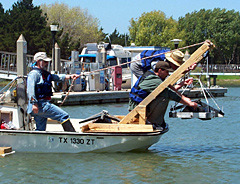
(8, 66)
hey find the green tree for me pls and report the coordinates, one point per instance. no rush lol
(220, 26)
(77, 26)
(154, 28)
(1, 25)
(117, 38)
(26, 19)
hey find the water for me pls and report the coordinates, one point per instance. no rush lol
(193, 151)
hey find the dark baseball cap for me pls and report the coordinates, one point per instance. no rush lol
(163, 65)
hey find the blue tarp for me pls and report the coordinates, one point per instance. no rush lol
(94, 55)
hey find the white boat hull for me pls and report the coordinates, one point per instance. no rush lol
(64, 142)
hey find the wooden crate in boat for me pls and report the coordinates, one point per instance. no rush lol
(108, 127)
(4, 150)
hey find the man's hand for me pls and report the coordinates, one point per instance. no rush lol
(187, 101)
(181, 84)
(193, 104)
(193, 66)
(188, 81)
(35, 108)
(73, 76)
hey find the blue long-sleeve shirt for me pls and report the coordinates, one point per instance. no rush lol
(34, 78)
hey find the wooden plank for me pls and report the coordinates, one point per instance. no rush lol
(107, 127)
(4, 150)
(142, 114)
(138, 111)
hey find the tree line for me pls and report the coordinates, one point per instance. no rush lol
(77, 27)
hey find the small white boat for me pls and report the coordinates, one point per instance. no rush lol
(103, 133)
(22, 137)
(66, 142)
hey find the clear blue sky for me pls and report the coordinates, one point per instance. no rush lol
(117, 13)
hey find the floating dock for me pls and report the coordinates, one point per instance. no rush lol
(91, 97)
(101, 97)
(197, 92)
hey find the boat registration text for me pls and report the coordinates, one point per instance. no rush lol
(66, 140)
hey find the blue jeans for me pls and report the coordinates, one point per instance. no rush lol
(48, 110)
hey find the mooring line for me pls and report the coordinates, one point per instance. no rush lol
(110, 67)
(70, 88)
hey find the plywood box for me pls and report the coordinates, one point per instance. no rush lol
(4, 150)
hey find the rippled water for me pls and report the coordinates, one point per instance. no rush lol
(193, 151)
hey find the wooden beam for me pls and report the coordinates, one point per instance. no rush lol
(176, 75)
(142, 114)
(108, 127)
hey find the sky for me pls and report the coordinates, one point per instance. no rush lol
(118, 13)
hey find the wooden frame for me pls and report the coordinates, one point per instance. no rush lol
(140, 110)
(135, 121)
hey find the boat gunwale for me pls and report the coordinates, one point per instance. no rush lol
(154, 133)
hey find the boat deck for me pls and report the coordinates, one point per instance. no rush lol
(53, 125)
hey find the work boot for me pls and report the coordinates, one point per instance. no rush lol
(68, 127)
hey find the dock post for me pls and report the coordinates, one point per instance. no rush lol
(214, 79)
(57, 58)
(21, 56)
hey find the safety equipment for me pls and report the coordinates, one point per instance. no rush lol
(136, 93)
(45, 89)
(158, 55)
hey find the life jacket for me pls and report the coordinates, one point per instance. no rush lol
(136, 93)
(44, 90)
(146, 63)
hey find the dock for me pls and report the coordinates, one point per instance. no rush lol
(91, 97)
(197, 92)
(101, 97)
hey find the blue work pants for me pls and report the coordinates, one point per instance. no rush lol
(48, 110)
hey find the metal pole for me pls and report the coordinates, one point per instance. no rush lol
(54, 29)
(207, 75)
(57, 58)
(53, 50)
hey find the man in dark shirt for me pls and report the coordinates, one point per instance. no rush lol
(149, 82)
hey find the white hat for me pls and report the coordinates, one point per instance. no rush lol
(177, 57)
(41, 56)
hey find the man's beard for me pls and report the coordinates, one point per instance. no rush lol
(44, 67)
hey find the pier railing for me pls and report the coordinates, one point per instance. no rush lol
(8, 63)
(219, 68)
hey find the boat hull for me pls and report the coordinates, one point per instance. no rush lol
(64, 142)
